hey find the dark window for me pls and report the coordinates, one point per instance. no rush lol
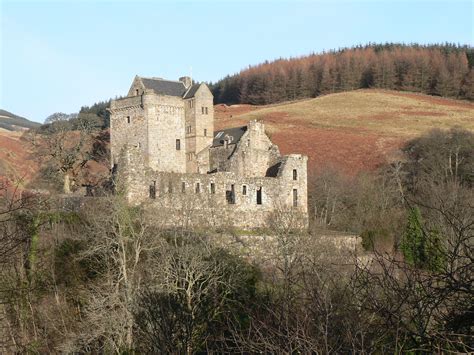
(295, 174)
(230, 195)
(128, 119)
(170, 187)
(178, 144)
(183, 187)
(153, 190)
(136, 91)
(198, 187)
(295, 198)
(205, 132)
(213, 188)
(244, 190)
(259, 196)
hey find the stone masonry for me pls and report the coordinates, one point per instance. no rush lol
(167, 156)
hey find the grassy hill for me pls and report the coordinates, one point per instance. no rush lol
(12, 122)
(352, 131)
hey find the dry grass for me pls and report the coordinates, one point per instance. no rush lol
(382, 112)
(353, 131)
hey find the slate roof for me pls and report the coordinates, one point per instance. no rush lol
(236, 133)
(164, 87)
(192, 90)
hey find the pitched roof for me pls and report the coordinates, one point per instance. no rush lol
(236, 133)
(164, 87)
(192, 90)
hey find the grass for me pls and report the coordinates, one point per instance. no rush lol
(376, 111)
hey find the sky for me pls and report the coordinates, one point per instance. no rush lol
(56, 56)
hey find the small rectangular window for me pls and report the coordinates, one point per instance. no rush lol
(178, 144)
(244, 190)
(230, 195)
(170, 187)
(213, 188)
(152, 192)
(128, 119)
(202, 110)
(259, 196)
(198, 187)
(205, 132)
(205, 110)
(295, 174)
(183, 187)
(295, 198)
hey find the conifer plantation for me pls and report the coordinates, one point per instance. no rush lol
(440, 69)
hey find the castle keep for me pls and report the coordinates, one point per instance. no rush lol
(166, 154)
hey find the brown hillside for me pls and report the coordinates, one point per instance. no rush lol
(353, 131)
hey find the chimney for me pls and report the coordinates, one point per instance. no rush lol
(186, 80)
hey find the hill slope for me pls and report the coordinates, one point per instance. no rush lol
(353, 131)
(12, 122)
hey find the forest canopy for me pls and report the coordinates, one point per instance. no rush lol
(438, 69)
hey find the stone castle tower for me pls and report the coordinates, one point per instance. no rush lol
(167, 155)
(172, 122)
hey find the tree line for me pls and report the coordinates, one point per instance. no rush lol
(109, 278)
(439, 69)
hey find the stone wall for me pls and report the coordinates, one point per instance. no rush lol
(165, 125)
(219, 199)
(127, 126)
(251, 156)
(199, 129)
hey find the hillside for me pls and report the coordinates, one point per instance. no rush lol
(12, 122)
(352, 131)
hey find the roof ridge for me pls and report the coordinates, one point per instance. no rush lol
(161, 79)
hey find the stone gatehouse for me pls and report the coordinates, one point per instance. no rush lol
(167, 155)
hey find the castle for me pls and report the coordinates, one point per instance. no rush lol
(166, 154)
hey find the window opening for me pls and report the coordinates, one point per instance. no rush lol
(153, 190)
(178, 144)
(244, 190)
(259, 196)
(213, 188)
(295, 198)
(230, 195)
(295, 174)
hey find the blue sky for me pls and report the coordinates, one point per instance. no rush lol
(56, 56)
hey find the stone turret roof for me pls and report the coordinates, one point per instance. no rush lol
(164, 87)
(236, 133)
